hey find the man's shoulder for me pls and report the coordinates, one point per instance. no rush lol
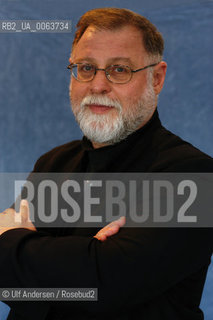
(58, 154)
(178, 155)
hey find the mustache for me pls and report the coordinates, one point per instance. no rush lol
(101, 100)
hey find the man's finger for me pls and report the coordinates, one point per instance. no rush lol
(121, 221)
(24, 210)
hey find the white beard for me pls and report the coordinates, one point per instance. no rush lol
(110, 129)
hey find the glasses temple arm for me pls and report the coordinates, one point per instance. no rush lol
(149, 66)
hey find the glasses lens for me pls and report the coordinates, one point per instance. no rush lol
(118, 73)
(83, 71)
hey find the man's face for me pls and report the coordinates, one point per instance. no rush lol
(107, 112)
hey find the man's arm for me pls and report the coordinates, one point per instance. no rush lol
(134, 264)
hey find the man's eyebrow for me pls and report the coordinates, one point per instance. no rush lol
(113, 60)
(85, 59)
(120, 59)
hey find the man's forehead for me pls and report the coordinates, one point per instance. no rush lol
(90, 32)
(122, 43)
(97, 34)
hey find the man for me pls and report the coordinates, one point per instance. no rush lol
(117, 73)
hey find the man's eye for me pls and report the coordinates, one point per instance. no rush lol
(86, 68)
(120, 69)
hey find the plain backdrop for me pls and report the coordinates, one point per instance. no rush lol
(35, 113)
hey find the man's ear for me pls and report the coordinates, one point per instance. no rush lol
(159, 76)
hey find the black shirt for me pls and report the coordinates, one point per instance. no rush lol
(140, 273)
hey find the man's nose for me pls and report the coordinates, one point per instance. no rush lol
(100, 84)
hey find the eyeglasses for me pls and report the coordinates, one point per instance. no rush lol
(84, 72)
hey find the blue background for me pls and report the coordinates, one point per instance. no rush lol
(34, 102)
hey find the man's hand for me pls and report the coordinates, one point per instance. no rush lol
(8, 218)
(110, 229)
(8, 221)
